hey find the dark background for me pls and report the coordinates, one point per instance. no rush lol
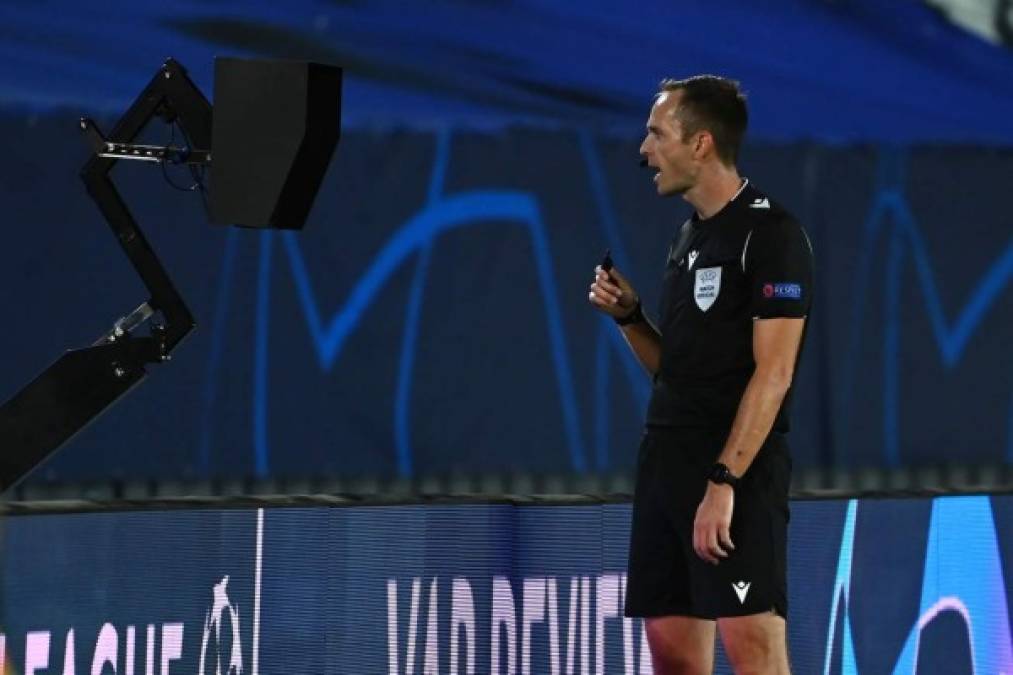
(432, 317)
(506, 367)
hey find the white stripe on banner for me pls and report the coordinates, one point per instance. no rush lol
(255, 670)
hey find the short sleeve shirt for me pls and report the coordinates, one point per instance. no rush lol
(750, 261)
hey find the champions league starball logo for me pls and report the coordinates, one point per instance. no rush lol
(211, 655)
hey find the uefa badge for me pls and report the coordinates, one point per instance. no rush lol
(706, 287)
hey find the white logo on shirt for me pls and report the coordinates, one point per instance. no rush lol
(762, 203)
(706, 287)
(692, 259)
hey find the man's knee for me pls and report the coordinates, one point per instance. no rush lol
(672, 663)
(681, 646)
(756, 659)
(755, 645)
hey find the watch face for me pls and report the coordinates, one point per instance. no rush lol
(721, 474)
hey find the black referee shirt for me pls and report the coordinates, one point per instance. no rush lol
(751, 260)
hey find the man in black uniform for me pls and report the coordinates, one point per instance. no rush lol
(710, 515)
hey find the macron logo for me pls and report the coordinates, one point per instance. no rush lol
(763, 203)
(741, 589)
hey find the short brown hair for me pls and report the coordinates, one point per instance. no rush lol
(716, 104)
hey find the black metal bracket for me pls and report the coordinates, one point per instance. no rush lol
(103, 147)
(84, 382)
(172, 96)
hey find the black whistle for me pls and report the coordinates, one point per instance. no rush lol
(643, 163)
(606, 261)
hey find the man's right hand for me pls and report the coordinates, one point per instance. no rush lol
(612, 293)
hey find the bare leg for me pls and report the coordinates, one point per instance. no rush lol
(681, 645)
(756, 644)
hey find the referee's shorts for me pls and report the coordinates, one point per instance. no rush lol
(665, 576)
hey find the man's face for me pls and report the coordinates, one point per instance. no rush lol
(665, 149)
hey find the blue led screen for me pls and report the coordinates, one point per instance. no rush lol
(432, 317)
(888, 586)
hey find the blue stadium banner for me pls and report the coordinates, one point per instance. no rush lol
(876, 586)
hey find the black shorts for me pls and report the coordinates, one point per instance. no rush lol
(666, 577)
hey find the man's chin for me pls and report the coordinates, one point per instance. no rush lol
(670, 190)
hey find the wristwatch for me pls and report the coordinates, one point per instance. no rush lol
(635, 316)
(722, 475)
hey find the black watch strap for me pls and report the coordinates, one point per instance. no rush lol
(722, 475)
(636, 316)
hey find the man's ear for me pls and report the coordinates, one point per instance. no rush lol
(702, 144)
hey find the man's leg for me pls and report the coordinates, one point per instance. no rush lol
(755, 644)
(681, 645)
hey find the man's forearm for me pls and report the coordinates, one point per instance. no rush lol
(645, 341)
(759, 406)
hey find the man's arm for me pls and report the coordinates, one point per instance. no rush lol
(613, 294)
(645, 341)
(775, 349)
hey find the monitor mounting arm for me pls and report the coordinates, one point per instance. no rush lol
(84, 382)
(172, 96)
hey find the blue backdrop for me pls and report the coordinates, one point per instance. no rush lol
(840, 70)
(890, 586)
(432, 317)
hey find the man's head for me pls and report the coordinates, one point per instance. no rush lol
(693, 123)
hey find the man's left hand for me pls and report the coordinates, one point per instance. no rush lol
(712, 539)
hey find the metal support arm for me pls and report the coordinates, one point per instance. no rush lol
(84, 382)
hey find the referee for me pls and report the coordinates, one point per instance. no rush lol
(710, 514)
